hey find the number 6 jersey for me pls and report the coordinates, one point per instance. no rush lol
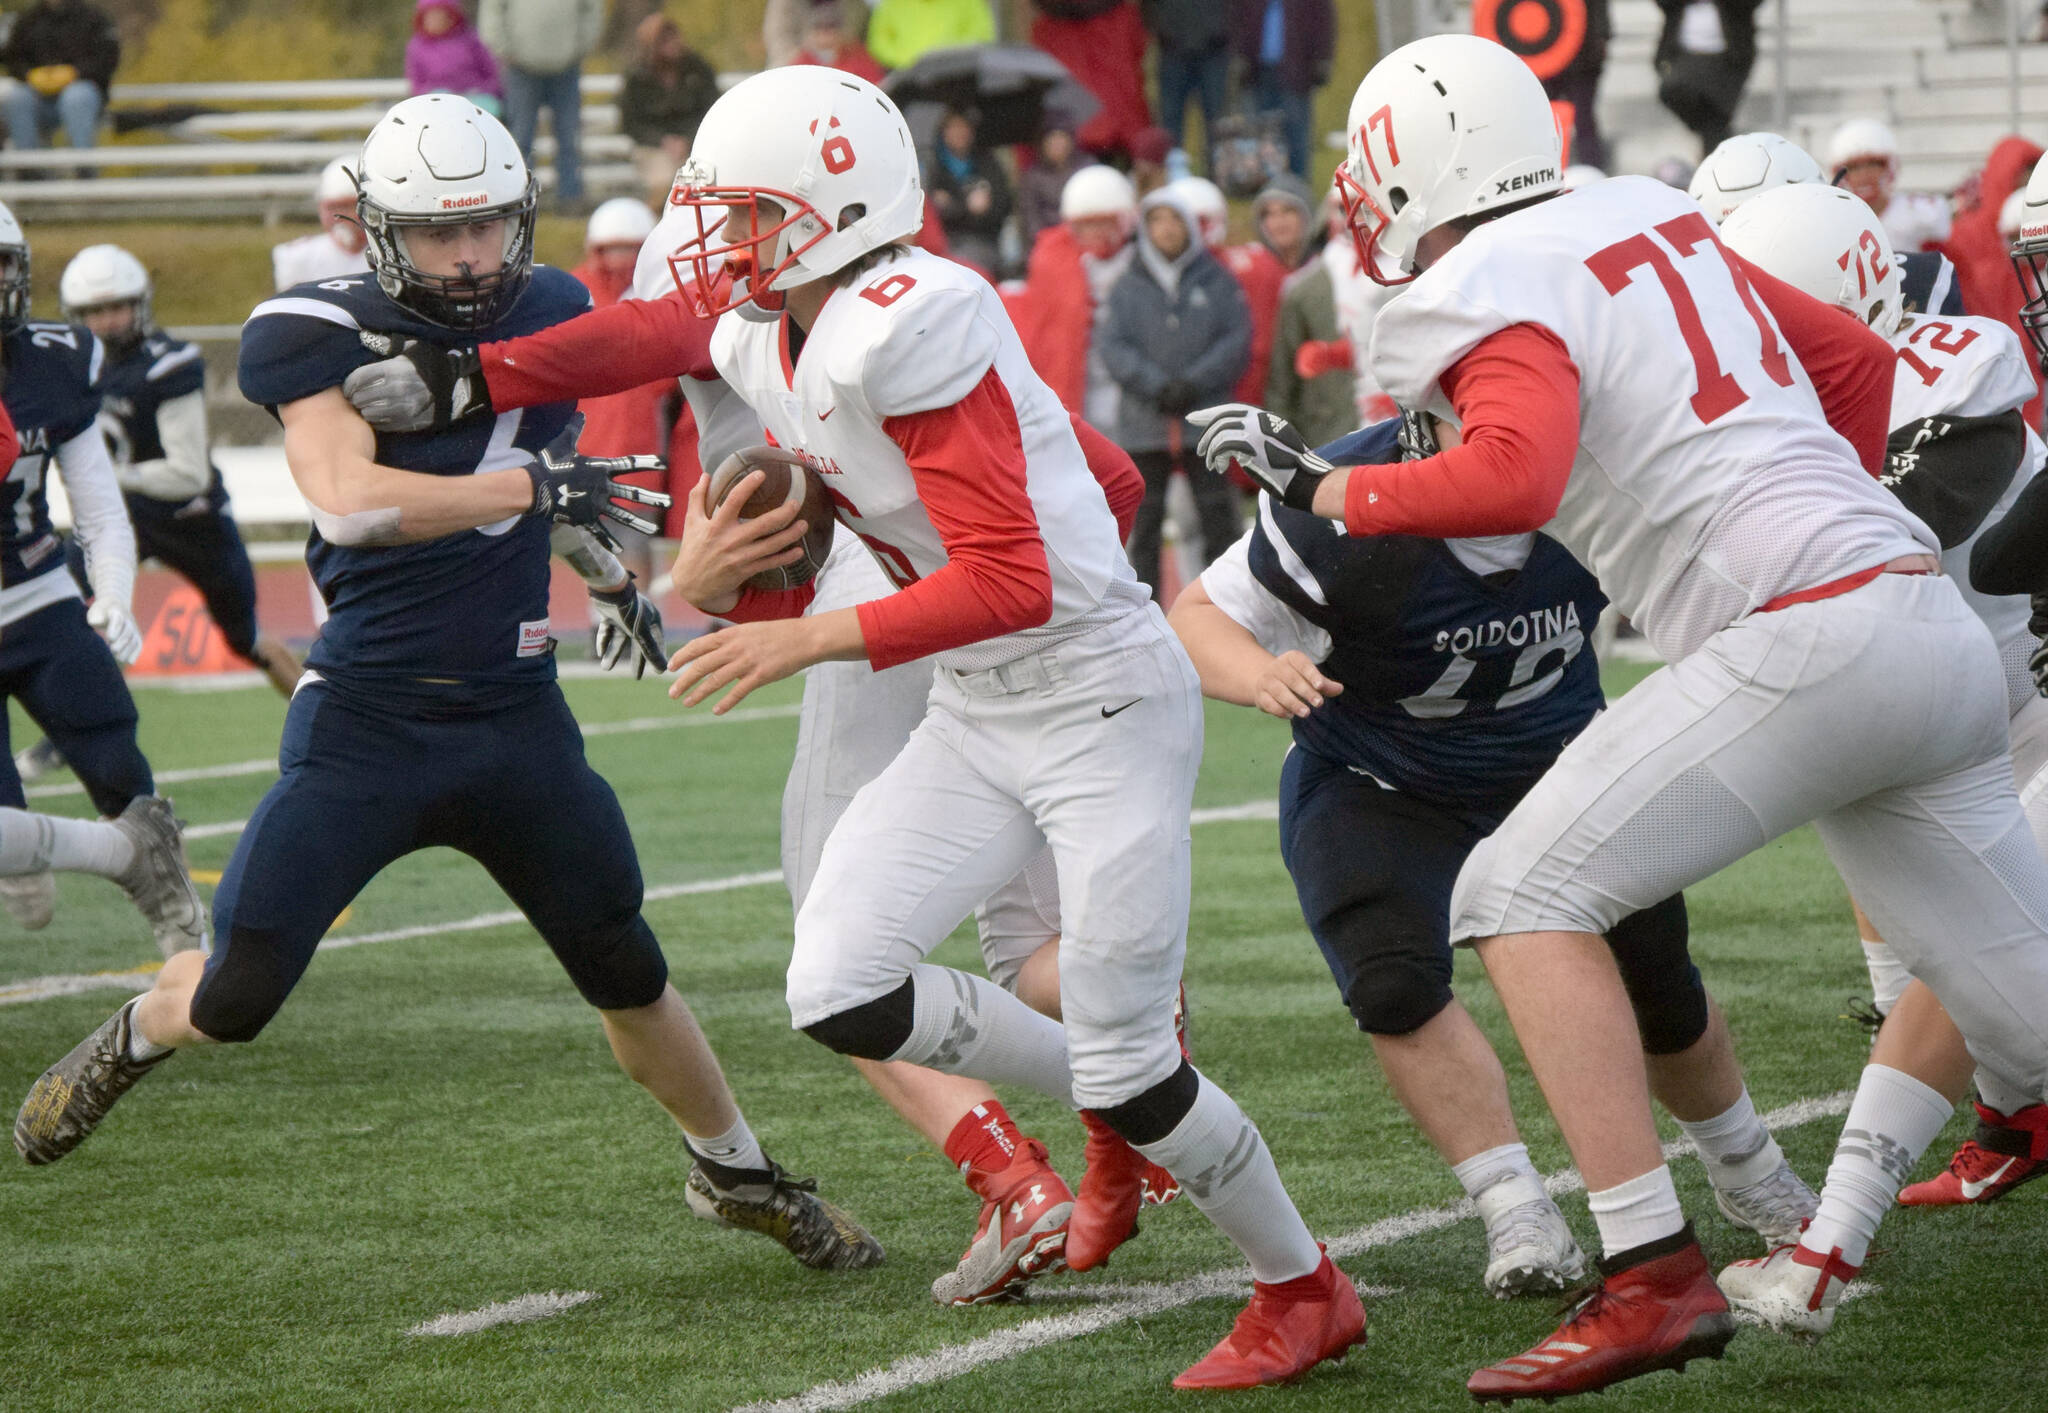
(1706, 480)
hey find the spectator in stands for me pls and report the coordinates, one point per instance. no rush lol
(828, 42)
(338, 248)
(1060, 311)
(1039, 187)
(1281, 216)
(785, 23)
(1703, 59)
(1286, 47)
(1194, 62)
(970, 192)
(62, 54)
(1863, 156)
(445, 55)
(1102, 43)
(1177, 338)
(1149, 151)
(1309, 379)
(667, 92)
(543, 44)
(1984, 276)
(900, 31)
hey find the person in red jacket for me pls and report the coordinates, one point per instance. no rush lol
(1983, 274)
(1102, 43)
(1280, 213)
(1072, 268)
(826, 42)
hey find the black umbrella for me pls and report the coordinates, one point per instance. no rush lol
(1015, 90)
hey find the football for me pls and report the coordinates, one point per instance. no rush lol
(788, 479)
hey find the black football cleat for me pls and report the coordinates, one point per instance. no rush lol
(791, 1214)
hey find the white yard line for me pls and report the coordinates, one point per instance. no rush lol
(521, 1311)
(1139, 1301)
(265, 766)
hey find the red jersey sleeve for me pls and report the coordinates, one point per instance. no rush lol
(1111, 466)
(1850, 363)
(10, 442)
(968, 461)
(1517, 398)
(606, 351)
(756, 605)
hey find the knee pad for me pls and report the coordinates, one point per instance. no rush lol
(1663, 985)
(242, 987)
(1398, 997)
(620, 969)
(1158, 1111)
(873, 1030)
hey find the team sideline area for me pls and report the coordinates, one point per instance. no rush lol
(433, 1127)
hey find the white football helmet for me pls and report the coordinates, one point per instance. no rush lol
(433, 160)
(1098, 191)
(1826, 241)
(1205, 200)
(100, 275)
(14, 273)
(623, 220)
(832, 154)
(337, 182)
(1451, 125)
(1861, 139)
(1749, 164)
(2029, 253)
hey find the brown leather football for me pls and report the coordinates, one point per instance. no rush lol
(787, 479)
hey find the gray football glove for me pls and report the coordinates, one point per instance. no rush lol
(629, 627)
(570, 488)
(418, 386)
(1267, 447)
(2038, 665)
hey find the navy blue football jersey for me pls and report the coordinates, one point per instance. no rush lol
(446, 625)
(156, 371)
(1459, 688)
(1930, 283)
(52, 393)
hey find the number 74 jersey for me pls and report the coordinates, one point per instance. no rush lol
(1706, 480)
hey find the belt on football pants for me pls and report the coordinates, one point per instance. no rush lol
(1835, 588)
(1039, 671)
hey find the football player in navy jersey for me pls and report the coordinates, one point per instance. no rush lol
(57, 656)
(1429, 683)
(429, 713)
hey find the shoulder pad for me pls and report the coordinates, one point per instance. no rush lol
(923, 346)
(296, 345)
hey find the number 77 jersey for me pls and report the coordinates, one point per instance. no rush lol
(1706, 481)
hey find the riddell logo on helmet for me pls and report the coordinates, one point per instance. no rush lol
(1525, 181)
(464, 200)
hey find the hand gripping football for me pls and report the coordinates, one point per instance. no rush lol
(788, 479)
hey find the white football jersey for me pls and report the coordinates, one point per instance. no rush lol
(1974, 367)
(1707, 481)
(913, 334)
(314, 257)
(1917, 220)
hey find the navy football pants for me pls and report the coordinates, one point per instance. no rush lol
(360, 789)
(68, 682)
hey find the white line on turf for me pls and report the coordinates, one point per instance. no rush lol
(1143, 1300)
(506, 1312)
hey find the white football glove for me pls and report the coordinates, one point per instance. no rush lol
(117, 625)
(628, 627)
(1267, 447)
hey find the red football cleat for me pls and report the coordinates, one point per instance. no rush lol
(1023, 1228)
(1112, 1189)
(1655, 1313)
(2007, 1151)
(1285, 1331)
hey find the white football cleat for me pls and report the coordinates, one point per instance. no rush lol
(1776, 1207)
(1530, 1250)
(1793, 1290)
(30, 899)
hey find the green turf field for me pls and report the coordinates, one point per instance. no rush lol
(434, 1124)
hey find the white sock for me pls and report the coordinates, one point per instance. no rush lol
(1499, 1179)
(1891, 1121)
(1221, 1160)
(969, 1025)
(1735, 1147)
(140, 1046)
(735, 1148)
(1888, 975)
(1637, 1212)
(31, 843)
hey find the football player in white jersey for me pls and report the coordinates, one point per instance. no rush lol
(1063, 710)
(1962, 455)
(1625, 384)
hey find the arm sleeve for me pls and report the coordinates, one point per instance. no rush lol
(1517, 398)
(186, 467)
(1950, 471)
(2011, 556)
(1115, 472)
(755, 605)
(100, 516)
(1850, 364)
(968, 461)
(606, 351)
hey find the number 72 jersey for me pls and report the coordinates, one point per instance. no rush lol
(1706, 481)
(52, 393)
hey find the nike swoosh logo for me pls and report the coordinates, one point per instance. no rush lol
(827, 413)
(1108, 712)
(1974, 1190)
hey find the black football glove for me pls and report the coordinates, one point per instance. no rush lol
(1267, 447)
(629, 627)
(418, 387)
(570, 488)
